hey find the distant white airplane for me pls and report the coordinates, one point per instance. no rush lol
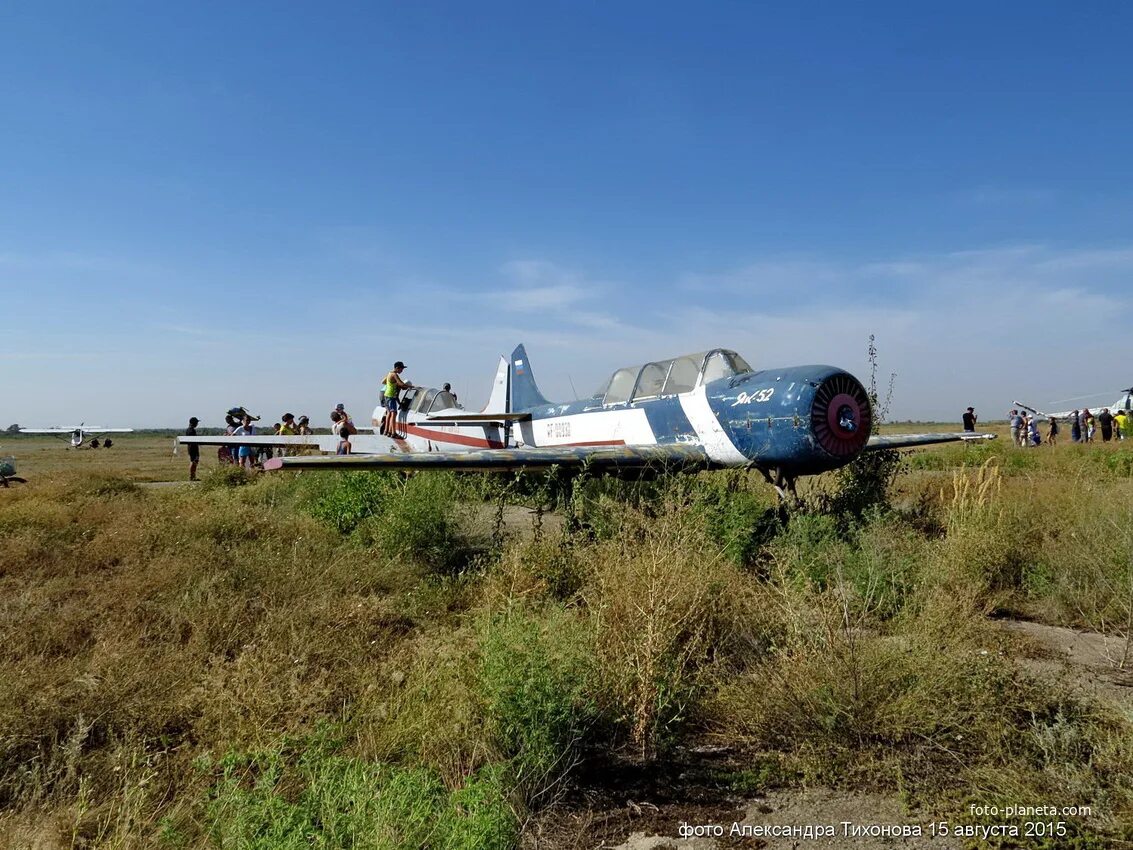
(1124, 402)
(81, 433)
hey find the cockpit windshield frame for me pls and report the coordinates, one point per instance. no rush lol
(665, 378)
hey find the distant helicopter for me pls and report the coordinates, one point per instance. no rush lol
(8, 472)
(1123, 402)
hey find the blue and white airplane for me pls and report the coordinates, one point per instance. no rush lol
(700, 411)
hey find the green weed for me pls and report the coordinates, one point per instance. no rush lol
(534, 680)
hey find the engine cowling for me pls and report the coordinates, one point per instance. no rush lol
(801, 419)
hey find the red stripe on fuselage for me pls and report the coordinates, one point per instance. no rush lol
(483, 443)
(446, 437)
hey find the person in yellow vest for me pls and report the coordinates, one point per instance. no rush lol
(287, 429)
(1121, 424)
(393, 387)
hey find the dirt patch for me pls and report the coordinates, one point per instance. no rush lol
(518, 522)
(854, 817)
(1087, 659)
(609, 803)
(631, 807)
(863, 812)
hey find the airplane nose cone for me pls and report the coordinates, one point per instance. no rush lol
(840, 416)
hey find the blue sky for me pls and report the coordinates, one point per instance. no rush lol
(265, 204)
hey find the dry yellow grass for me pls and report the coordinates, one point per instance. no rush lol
(139, 457)
(164, 653)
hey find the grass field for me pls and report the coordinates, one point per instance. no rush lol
(138, 457)
(372, 661)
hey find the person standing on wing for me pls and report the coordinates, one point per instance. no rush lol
(393, 386)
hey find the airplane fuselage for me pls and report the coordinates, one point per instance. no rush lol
(800, 419)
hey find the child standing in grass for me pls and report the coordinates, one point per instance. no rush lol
(246, 455)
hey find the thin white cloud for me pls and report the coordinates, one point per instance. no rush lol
(963, 327)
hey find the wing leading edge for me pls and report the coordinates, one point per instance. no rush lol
(541, 457)
(905, 441)
(83, 428)
(274, 440)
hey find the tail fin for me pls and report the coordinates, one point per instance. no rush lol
(497, 401)
(524, 391)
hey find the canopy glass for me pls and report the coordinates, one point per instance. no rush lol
(670, 377)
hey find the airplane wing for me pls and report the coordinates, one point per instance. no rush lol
(258, 440)
(538, 457)
(322, 442)
(85, 429)
(905, 441)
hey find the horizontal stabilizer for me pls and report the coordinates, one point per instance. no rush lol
(681, 456)
(906, 441)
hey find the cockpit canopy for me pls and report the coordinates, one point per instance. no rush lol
(669, 377)
(428, 400)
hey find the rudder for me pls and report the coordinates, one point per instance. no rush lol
(524, 391)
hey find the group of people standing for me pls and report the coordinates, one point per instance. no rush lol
(1025, 429)
(239, 423)
(1084, 426)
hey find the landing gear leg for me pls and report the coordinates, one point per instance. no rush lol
(784, 485)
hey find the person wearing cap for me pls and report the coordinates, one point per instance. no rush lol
(194, 449)
(341, 420)
(970, 419)
(393, 386)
